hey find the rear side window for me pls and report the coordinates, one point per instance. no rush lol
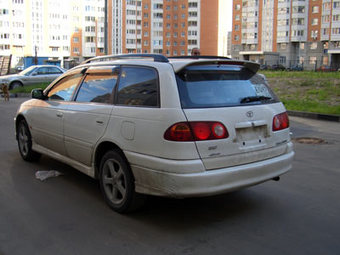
(138, 86)
(54, 70)
(207, 86)
(97, 88)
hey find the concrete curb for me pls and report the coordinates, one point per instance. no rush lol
(317, 116)
(22, 95)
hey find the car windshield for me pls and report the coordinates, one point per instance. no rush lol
(28, 70)
(207, 86)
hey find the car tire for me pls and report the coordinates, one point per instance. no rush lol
(117, 183)
(15, 85)
(25, 143)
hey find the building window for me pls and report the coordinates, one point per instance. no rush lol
(312, 60)
(314, 46)
(315, 22)
(315, 9)
(237, 7)
(282, 60)
(314, 34)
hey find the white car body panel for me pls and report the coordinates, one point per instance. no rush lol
(47, 124)
(246, 135)
(84, 125)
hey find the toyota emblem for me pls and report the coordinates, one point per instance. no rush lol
(250, 114)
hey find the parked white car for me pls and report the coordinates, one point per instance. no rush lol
(146, 124)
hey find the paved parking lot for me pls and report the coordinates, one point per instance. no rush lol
(67, 215)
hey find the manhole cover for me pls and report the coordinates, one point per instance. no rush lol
(310, 140)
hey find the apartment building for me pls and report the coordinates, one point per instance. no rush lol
(287, 32)
(169, 27)
(58, 29)
(74, 29)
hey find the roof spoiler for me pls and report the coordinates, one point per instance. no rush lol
(252, 66)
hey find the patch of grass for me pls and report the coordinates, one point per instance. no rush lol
(307, 91)
(28, 89)
(300, 74)
(311, 106)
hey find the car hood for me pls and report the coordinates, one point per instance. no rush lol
(11, 77)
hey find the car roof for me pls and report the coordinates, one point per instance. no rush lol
(45, 66)
(178, 63)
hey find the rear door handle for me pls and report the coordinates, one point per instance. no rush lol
(59, 114)
(100, 122)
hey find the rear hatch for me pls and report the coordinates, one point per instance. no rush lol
(240, 99)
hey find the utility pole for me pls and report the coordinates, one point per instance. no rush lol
(105, 30)
(35, 55)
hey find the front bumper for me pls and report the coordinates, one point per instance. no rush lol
(212, 182)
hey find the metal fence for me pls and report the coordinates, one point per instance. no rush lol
(300, 66)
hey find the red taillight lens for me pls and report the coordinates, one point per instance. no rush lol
(280, 121)
(201, 130)
(196, 131)
(179, 132)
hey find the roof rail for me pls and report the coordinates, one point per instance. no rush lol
(199, 57)
(155, 57)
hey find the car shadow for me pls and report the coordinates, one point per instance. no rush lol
(158, 212)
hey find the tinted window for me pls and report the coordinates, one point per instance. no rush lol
(97, 88)
(42, 70)
(138, 86)
(221, 85)
(53, 70)
(63, 90)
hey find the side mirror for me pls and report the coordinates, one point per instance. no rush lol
(38, 94)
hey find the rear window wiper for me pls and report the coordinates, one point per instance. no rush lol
(254, 99)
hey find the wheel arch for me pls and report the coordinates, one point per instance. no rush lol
(18, 81)
(18, 118)
(101, 149)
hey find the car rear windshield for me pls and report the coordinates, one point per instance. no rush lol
(204, 86)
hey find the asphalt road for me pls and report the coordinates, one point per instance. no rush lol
(66, 215)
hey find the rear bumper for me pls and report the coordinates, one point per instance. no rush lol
(206, 183)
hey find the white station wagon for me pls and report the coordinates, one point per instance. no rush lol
(146, 124)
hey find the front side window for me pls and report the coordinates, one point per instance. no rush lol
(63, 90)
(97, 88)
(138, 86)
(210, 86)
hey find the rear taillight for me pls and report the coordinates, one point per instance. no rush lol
(196, 131)
(280, 121)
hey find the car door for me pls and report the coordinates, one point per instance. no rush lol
(87, 116)
(48, 116)
(38, 76)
